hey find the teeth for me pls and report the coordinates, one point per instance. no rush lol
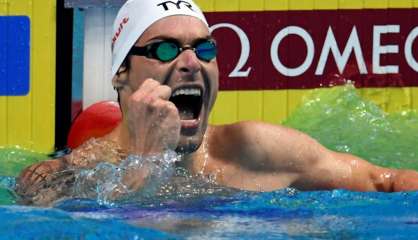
(187, 91)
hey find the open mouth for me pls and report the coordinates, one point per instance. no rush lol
(188, 102)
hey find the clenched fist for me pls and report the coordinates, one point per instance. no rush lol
(153, 121)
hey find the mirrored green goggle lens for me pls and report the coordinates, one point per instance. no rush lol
(167, 51)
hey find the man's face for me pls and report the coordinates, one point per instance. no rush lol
(194, 82)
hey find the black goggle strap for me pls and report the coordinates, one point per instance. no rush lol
(139, 51)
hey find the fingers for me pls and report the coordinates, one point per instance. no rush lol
(147, 86)
(152, 96)
(162, 91)
(152, 89)
(136, 178)
(39, 172)
(152, 118)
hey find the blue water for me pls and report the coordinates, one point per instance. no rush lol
(285, 214)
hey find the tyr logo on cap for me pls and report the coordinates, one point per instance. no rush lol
(178, 4)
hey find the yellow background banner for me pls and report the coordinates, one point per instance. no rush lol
(29, 121)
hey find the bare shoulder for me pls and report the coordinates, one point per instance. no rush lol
(270, 146)
(236, 135)
(255, 132)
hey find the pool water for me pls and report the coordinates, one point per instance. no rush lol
(285, 214)
(338, 118)
(13, 161)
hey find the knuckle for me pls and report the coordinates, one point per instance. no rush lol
(171, 107)
(151, 82)
(158, 103)
(152, 105)
(165, 88)
(136, 101)
(33, 167)
(136, 96)
(131, 101)
(173, 112)
(149, 100)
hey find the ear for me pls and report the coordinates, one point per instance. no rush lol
(120, 80)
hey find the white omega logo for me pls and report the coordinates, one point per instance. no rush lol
(329, 49)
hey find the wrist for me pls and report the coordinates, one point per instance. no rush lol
(141, 149)
(160, 158)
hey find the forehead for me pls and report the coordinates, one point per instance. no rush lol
(183, 28)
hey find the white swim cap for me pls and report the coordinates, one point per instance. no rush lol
(135, 16)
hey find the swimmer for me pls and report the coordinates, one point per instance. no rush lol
(166, 75)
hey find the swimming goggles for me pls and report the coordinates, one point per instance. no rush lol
(168, 50)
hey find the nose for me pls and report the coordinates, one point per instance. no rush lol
(188, 63)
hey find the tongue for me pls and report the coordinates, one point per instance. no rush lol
(186, 114)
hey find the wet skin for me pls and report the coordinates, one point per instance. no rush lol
(246, 155)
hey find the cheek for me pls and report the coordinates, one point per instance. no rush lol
(215, 80)
(135, 78)
(138, 73)
(147, 69)
(213, 99)
(213, 77)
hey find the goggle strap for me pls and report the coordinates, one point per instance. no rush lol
(139, 51)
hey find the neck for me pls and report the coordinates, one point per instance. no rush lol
(196, 162)
(120, 135)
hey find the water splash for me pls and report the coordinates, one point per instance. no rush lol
(107, 182)
(7, 184)
(341, 120)
(14, 160)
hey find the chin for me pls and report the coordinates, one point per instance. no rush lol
(188, 144)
